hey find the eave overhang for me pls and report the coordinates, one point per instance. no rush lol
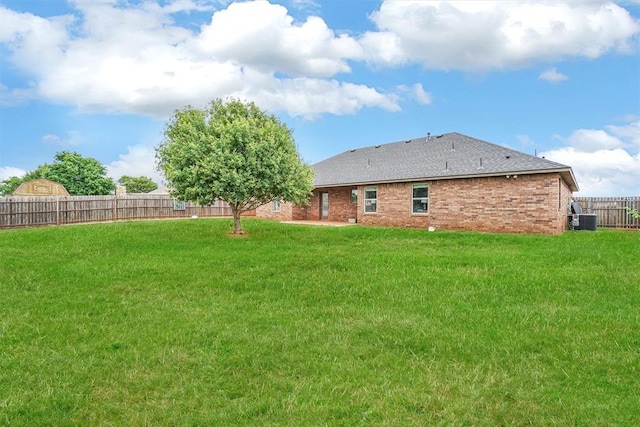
(565, 173)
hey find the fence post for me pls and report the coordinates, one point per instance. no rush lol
(25, 211)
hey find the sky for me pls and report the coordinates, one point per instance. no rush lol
(559, 79)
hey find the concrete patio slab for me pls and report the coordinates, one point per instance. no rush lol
(320, 223)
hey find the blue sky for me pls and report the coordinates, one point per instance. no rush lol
(559, 79)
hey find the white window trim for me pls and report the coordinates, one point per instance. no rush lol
(413, 186)
(364, 201)
(275, 206)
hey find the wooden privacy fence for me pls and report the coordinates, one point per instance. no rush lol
(611, 211)
(36, 211)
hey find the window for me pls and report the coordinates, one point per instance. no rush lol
(276, 205)
(354, 196)
(371, 199)
(420, 199)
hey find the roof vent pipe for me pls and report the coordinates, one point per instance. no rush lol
(428, 136)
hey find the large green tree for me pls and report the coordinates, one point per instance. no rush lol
(79, 175)
(139, 184)
(232, 151)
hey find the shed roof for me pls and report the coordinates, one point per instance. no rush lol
(446, 156)
(40, 187)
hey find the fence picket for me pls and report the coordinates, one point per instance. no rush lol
(612, 211)
(35, 211)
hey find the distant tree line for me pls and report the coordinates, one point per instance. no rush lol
(137, 184)
(81, 176)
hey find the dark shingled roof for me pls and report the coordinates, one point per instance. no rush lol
(447, 156)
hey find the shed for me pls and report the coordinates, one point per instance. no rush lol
(40, 187)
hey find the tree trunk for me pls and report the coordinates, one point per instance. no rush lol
(237, 228)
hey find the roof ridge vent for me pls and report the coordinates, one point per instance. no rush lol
(377, 146)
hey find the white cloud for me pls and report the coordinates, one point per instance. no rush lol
(592, 140)
(72, 139)
(305, 4)
(311, 97)
(604, 164)
(629, 133)
(552, 75)
(485, 35)
(9, 171)
(135, 57)
(417, 93)
(139, 160)
(628, 118)
(186, 6)
(422, 97)
(525, 140)
(263, 36)
(40, 40)
(152, 66)
(12, 97)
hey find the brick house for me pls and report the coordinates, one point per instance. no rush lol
(449, 181)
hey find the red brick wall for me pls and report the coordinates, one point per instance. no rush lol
(340, 206)
(299, 213)
(526, 204)
(266, 211)
(313, 209)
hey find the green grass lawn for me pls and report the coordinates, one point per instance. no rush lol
(176, 323)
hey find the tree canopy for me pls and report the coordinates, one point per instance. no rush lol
(232, 151)
(9, 185)
(140, 184)
(79, 175)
